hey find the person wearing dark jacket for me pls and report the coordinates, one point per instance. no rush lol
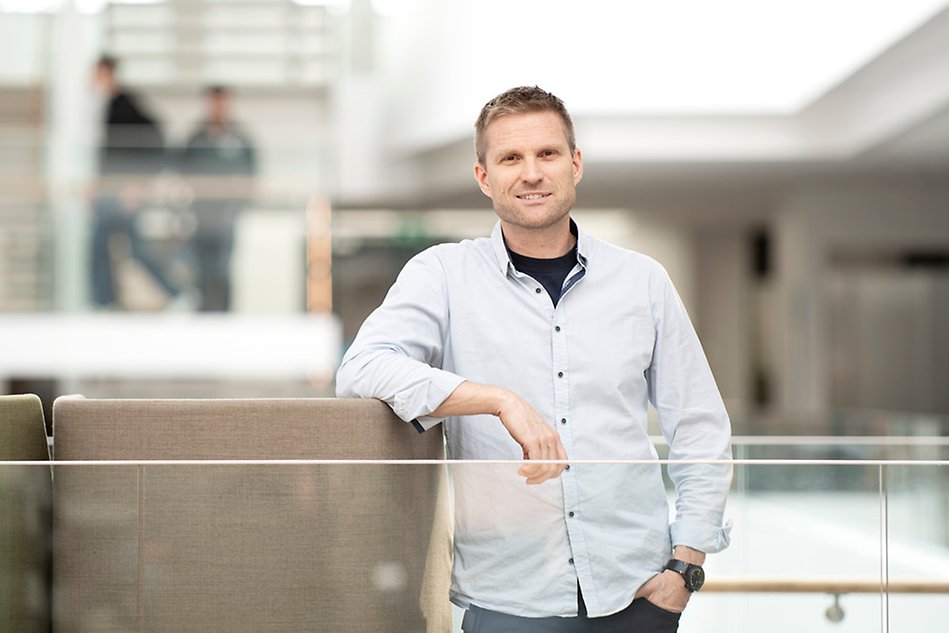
(132, 152)
(219, 161)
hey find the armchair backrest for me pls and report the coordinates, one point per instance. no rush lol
(242, 547)
(25, 520)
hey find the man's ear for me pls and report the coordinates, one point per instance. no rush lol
(481, 177)
(577, 167)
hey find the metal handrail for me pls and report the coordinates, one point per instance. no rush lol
(835, 586)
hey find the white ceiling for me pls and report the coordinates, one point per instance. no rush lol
(886, 119)
(728, 57)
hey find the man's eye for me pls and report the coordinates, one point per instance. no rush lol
(548, 153)
(510, 158)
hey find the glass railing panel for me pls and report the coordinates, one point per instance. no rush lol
(916, 555)
(798, 530)
(365, 546)
(226, 547)
(232, 229)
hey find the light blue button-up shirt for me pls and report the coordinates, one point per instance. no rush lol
(619, 338)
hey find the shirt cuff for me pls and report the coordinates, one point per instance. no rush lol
(704, 537)
(442, 384)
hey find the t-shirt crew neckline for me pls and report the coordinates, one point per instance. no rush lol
(549, 273)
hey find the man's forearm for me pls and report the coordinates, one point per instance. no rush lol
(471, 398)
(538, 439)
(688, 554)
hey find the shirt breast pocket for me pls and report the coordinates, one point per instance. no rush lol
(626, 346)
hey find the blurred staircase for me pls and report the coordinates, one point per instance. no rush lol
(26, 257)
(277, 51)
(184, 44)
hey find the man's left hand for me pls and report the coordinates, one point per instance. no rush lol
(666, 590)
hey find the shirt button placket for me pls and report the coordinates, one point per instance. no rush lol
(561, 378)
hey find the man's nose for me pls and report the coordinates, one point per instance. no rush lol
(530, 171)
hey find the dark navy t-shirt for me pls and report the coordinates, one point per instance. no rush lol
(550, 273)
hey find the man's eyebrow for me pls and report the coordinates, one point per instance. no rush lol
(506, 152)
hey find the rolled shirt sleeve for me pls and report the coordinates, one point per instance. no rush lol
(397, 354)
(693, 420)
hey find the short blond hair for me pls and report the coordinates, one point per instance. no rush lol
(518, 101)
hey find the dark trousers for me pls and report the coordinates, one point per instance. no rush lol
(212, 254)
(641, 616)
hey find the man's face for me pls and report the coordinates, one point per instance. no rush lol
(103, 79)
(529, 172)
(219, 107)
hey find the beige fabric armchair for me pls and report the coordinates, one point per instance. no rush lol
(25, 523)
(334, 548)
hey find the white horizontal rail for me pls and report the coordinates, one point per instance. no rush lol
(474, 462)
(825, 440)
(836, 586)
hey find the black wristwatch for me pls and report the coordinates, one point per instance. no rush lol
(694, 575)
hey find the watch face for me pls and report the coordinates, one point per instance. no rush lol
(695, 577)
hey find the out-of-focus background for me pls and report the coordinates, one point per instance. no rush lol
(787, 162)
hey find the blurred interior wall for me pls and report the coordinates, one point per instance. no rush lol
(723, 317)
(23, 38)
(809, 228)
(888, 337)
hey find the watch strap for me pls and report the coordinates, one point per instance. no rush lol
(693, 575)
(678, 566)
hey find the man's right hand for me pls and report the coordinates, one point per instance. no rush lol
(538, 439)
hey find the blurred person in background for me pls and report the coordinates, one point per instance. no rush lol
(131, 154)
(545, 343)
(220, 162)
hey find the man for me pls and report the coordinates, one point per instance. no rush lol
(220, 160)
(132, 152)
(545, 343)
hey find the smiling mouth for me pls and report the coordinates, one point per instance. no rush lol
(533, 196)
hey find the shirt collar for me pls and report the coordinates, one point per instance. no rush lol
(504, 259)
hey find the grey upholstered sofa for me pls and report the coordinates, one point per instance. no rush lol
(241, 547)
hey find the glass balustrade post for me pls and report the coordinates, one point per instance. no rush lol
(884, 552)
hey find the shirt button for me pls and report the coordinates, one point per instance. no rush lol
(570, 561)
(557, 328)
(568, 467)
(563, 420)
(537, 290)
(559, 374)
(570, 515)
